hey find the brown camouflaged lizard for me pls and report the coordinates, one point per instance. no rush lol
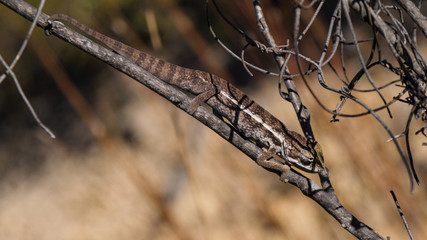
(246, 116)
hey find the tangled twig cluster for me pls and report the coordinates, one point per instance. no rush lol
(390, 47)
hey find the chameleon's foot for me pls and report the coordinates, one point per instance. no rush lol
(49, 25)
(199, 99)
(278, 165)
(284, 175)
(48, 28)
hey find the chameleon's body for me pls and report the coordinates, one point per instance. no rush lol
(249, 119)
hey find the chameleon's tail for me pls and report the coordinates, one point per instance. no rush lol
(146, 61)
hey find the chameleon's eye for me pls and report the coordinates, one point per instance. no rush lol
(306, 158)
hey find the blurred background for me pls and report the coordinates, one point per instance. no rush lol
(127, 164)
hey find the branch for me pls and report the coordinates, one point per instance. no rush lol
(293, 96)
(414, 12)
(324, 196)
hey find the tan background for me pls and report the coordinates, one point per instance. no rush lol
(126, 164)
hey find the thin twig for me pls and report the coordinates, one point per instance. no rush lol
(9, 71)
(401, 214)
(27, 102)
(24, 43)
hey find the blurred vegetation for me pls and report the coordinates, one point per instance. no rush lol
(127, 165)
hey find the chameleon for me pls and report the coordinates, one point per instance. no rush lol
(282, 147)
